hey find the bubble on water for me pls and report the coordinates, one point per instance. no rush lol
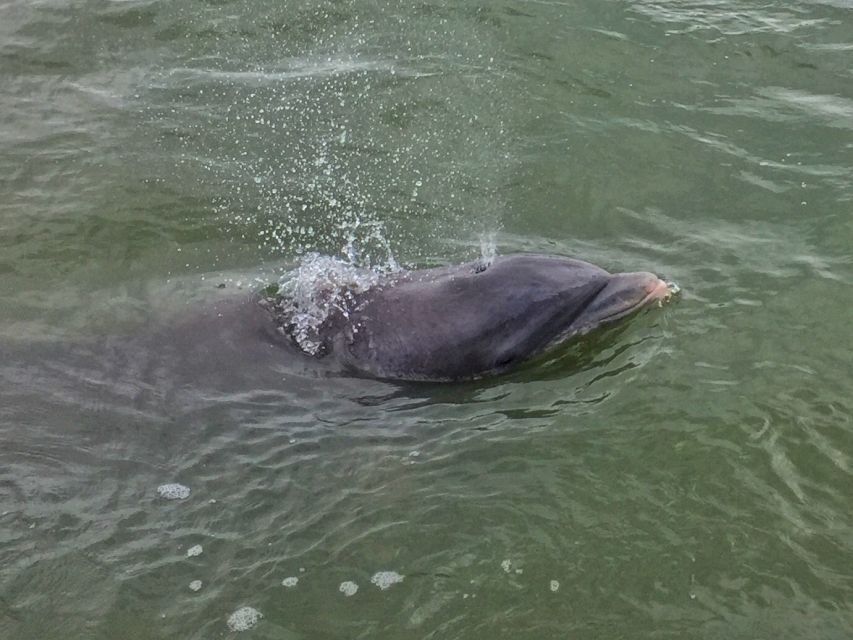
(173, 491)
(554, 585)
(384, 579)
(244, 619)
(195, 550)
(290, 582)
(506, 565)
(348, 588)
(195, 585)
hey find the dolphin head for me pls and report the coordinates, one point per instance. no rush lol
(621, 295)
(467, 321)
(548, 299)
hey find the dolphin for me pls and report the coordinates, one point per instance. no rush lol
(473, 320)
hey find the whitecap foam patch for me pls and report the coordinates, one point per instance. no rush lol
(292, 581)
(384, 579)
(195, 585)
(555, 584)
(244, 619)
(173, 491)
(348, 588)
(195, 550)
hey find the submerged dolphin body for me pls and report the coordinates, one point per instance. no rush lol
(474, 320)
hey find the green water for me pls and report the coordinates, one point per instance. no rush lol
(687, 475)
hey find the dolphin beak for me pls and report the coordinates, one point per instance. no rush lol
(623, 294)
(656, 289)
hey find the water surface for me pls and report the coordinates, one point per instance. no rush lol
(684, 475)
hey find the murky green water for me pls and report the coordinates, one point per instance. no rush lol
(687, 475)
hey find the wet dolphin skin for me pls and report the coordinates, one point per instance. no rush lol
(473, 320)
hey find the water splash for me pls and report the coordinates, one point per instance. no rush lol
(488, 251)
(673, 292)
(317, 288)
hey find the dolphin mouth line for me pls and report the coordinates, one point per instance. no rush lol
(662, 293)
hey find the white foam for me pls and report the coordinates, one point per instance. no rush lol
(348, 588)
(173, 491)
(292, 581)
(506, 565)
(384, 579)
(555, 584)
(244, 619)
(195, 585)
(195, 550)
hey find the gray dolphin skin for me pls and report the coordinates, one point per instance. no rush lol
(474, 320)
